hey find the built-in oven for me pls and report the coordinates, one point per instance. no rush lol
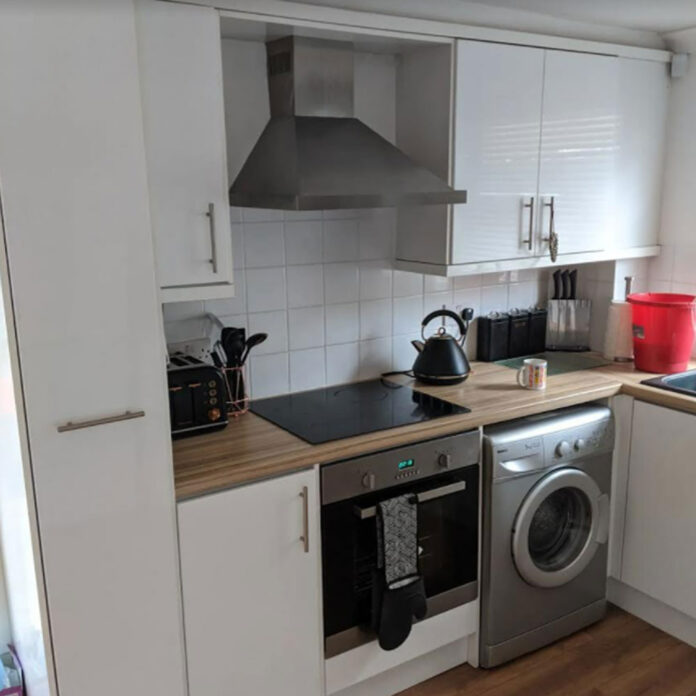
(442, 478)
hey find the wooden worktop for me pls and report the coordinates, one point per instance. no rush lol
(251, 448)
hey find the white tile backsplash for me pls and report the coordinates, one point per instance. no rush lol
(266, 289)
(340, 240)
(306, 327)
(305, 285)
(304, 242)
(269, 375)
(375, 280)
(342, 323)
(342, 363)
(264, 245)
(322, 286)
(375, 319)
(307, 369)
(275, 324)
(341, 282)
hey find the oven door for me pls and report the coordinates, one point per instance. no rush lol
(448, 553)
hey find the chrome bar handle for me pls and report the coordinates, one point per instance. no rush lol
(530, 241)
(305, 518)
(213, 243)
(552, 239)
(79, 425)
(367, 513)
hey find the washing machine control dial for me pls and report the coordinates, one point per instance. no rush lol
(563, 449)
(580, 444)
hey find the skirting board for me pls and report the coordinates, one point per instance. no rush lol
(411, 673)
(653, 611)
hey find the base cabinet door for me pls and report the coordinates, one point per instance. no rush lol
(659, 551)
(251, 586)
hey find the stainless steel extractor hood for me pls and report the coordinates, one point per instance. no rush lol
(314, 154)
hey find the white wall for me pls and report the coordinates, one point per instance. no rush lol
(675, 269)
(20, 619)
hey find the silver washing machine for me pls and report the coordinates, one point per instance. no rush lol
(546, 486)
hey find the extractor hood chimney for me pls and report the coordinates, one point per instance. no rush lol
(314, 154)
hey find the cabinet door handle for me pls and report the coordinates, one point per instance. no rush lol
(552, 239)
(128, 415)
(530, 240)
(305, 518)
(213, 243)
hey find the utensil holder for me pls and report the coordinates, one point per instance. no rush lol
(568, 326)
(237, 395)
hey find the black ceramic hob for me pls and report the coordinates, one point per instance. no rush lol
(332, 413)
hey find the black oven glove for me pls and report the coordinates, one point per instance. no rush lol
(398, 590)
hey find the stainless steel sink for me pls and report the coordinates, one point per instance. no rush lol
(682, 382)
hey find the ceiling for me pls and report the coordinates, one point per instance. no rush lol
(647, 15)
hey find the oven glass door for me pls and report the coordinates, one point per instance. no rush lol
(448, 553)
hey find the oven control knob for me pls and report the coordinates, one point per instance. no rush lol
(368, 481)
(444, 460)
(580, 444)
(563, 449)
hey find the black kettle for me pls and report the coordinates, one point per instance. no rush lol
(441, 359)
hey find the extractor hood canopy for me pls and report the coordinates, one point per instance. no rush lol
(314, 154)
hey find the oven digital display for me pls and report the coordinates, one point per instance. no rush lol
(406, 464)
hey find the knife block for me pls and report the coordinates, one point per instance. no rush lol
(568, 326)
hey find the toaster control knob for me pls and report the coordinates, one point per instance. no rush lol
(563, 449)
(444, 460)
(580, 444)
(214, 414)
(368, 481)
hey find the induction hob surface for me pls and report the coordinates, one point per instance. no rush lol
(332, 413)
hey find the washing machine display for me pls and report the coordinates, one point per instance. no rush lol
(546, 486)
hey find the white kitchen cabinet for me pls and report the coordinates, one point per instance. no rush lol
(532, 126)
(659, 545)
(496, 150)
(643, 101)
(250, 568)
(183, 109)
(579, 143)
(88, 329)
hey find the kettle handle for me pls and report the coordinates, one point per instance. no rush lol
(445, 313)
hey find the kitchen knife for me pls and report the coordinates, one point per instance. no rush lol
(565, 279)
(574, 284)
(556, 285)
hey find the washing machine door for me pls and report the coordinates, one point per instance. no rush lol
(559, 527)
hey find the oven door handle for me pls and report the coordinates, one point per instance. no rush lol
(424, 497)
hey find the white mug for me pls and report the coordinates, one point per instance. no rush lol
(532, 374)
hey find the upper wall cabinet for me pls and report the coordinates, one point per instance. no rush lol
(183, 109)
(548, 144)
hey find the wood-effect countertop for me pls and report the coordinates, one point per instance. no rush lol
(251, 448)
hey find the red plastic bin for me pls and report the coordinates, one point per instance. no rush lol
(663, 331)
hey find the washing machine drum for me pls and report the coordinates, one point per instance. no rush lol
(559, 527)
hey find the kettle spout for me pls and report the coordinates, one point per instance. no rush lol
(418, 345)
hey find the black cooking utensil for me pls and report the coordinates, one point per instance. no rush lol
(574, 284)
(233, 341)
(251, 342)
(557, 290)
(565, 279)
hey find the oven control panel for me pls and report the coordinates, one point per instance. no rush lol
(389, 468)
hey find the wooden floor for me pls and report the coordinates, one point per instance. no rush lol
(620, 656)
